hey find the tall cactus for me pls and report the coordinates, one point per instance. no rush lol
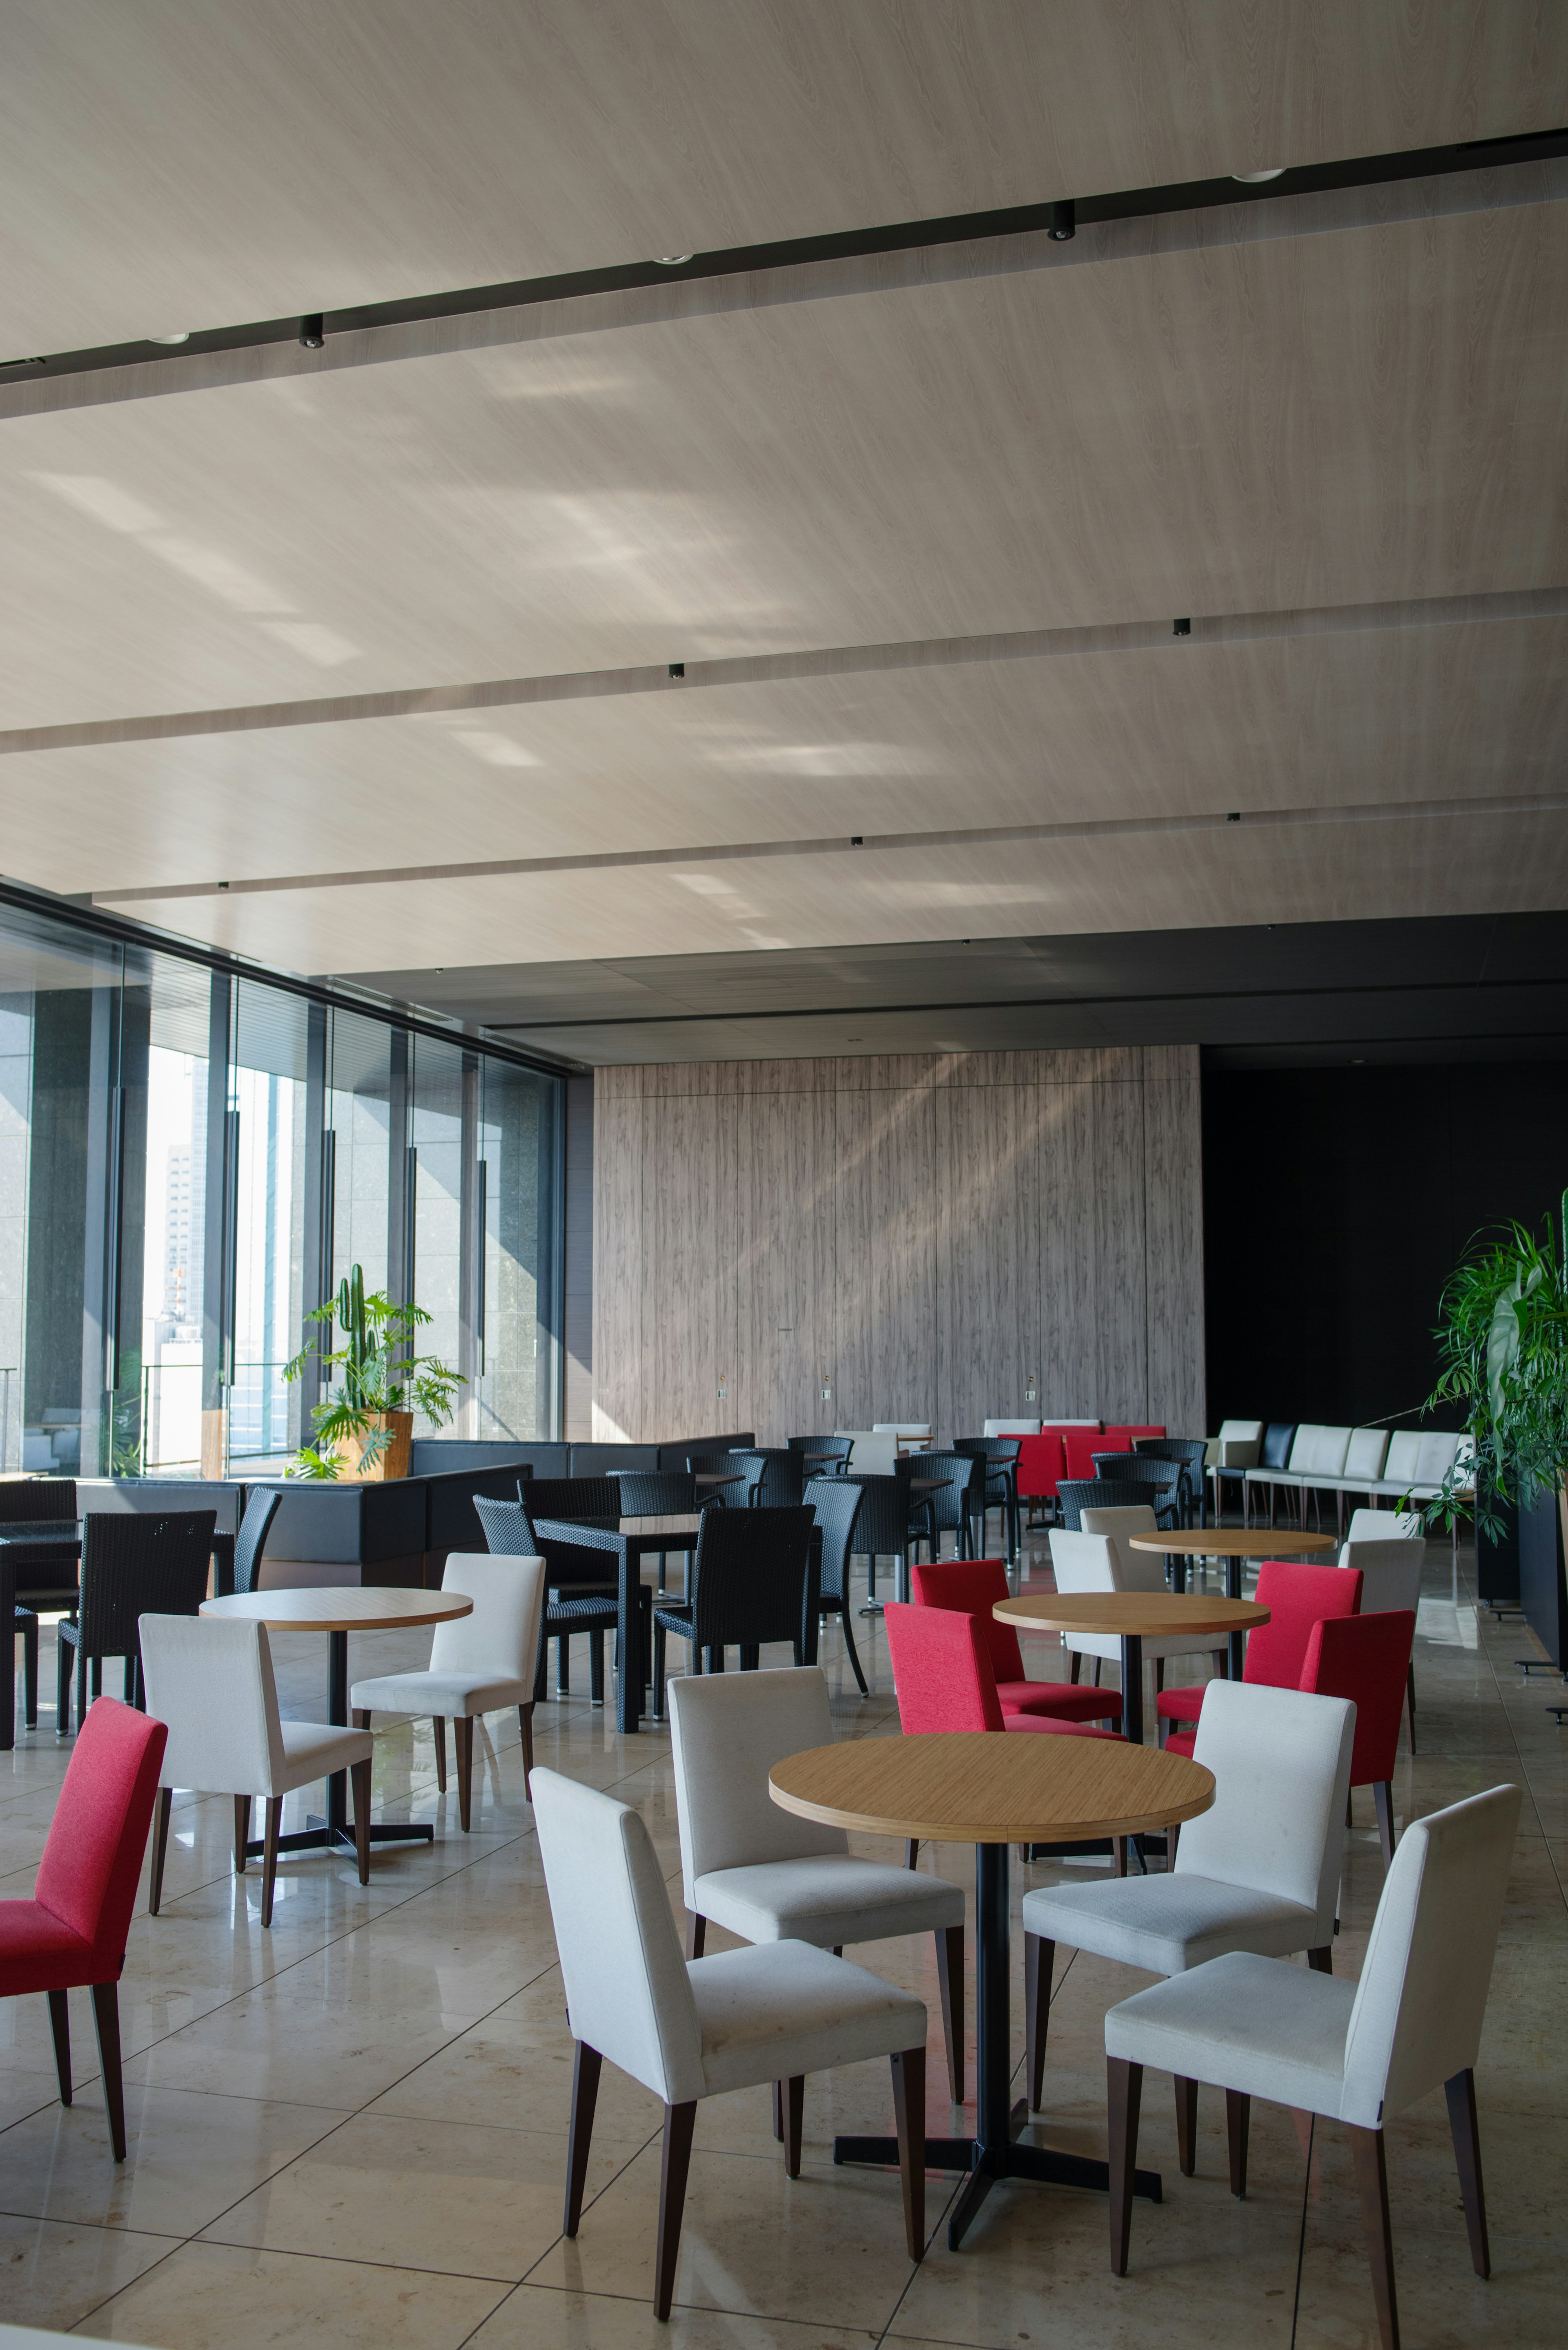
(356, 1330)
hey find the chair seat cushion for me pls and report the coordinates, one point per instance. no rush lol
(451, 1695)
(39, 1953)
(1180, 1704)
(1070, 1700)
(1260, 2025)
(825, 1899)
(782, 2007)
(1168, 1924)
(1053, 1727)
(1181, 1742)
(314, 1750)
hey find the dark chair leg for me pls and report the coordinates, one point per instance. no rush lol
(359, 1778)
(660, 1638)
(778, 2111)
(1039, 1964)
(541, 1668)
(1186, 2124)
(846, 1620)
(525, 1717)
(462, 1733)
(595, 1667)
(60, 2025)
(564, 1665)
(949, 1977)
(1461, 2093)
(437, 1725)
(64, 1658)
(909, 2123)
(913, 1852)
(160, 1847)
(242, 1832)
(794, 2106)
(587, 2064)
(30, 1674)
(1076, 1668)
(106, 2016)
(678, 2123)
(1372, 2182)
(1410, 1702)
(1238, 2125)
(696, 1933)
(361, 1717)
(1321, 1960)
(1383, 1795)
(1124, 2084)
(269, 1854)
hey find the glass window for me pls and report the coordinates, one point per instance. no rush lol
(266, 1137)
(362, 1122)
(516, 1387)
(444, 1096)
(159, 1385)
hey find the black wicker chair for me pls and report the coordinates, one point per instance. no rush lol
(1001, 1489)
(664, 1494)
(54, 1499)
(747, 1467)
(570, 1606)
(881, 1531)
(828, 1449)
(251, 1540)
(1188, 1453)
(131, 1567)
(1161, 1480)
(748, 1586)
(837, 1503)
(1077, 1494)
(956, 1509)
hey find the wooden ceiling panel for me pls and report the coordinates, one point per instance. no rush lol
(164, 169)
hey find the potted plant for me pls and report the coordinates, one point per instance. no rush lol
(363, 1429)
(1504, 1343)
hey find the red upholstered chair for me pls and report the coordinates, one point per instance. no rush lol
(1079, 1446)
(1040, 1467)
(971, 1586)
(1367, 1659)
(1297, 1599)
(73, 1931)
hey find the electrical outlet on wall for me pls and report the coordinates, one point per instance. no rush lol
(723, 1384)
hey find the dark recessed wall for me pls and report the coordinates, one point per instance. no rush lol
(1335, 1203)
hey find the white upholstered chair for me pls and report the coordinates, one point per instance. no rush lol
(1101, 1559)
(1358, 2053)
(478, 1663)
(1011, 1427)
(1386, 1525)
(763, 1874)
(210, 1677)
(1258, 1871)
(692, 2030)
(1390, 1578)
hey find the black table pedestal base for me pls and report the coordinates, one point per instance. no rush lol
(1041, 2164)
(319, 1835)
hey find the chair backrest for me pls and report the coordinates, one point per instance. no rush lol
(1083, 1562)
(211, 1678)
(882, 1528)
(1318, 1451)
(1076, 1494)
(655, 1493)
(726, 1733)
(783, 1483)
(1139, 1468)
(908, 1428)
(942, 1670)
(1367, 1659)
(836, 1448)
(1281, 1762)
(92, 1859)
(133, 1565)
(962, 1477)
(744, 1468)
(871, 1454)
(627, 1991)
(1275, 1449)
(1079, 1446)
(507, 1529)
(837, 1503)
(1390, 1573)
(1040, 1464)
(1239, 1442)
(251, 1541)
(1386, 1525)
(1137, 1570)
(748, 1577)
(988, 1447)
(1437, 1454)
(1296, 1597)
(572, 1497)
(971, 1586)
(1403, 1457)
(51, 1498)
(1010, 1426)
(501, 1637)
(1366, 1452)
(1421, 1999)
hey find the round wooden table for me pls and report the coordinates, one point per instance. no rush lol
(337, 1612)
(1133, 1617)
(1233, 1543)
(977, 1787)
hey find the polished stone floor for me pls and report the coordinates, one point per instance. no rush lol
(350, 2129)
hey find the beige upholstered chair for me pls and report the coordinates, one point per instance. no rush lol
(1099, 1559)
(1390, 1578)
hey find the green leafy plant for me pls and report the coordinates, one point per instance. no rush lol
(1503, 1340)
(376, 1371)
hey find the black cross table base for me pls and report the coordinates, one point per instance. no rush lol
(327, 1834)
(993, 2152)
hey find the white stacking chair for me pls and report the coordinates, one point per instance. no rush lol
(1356, 2053)
(1100, 1559)
(911, 1435)
(210, 1677)
(1258, 1871)
(1390, 1578)
(870, 1455)
(1012, 1428)
(478, 1664)
(762, 1874)
(693, 2030)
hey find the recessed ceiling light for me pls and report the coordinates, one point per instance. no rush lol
(169, 338)
(672, 260)
(1254, 179)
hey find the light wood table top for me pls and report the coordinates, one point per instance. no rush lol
(1234, 1542)
(343, 1609)
(1143, 1614)
(984, 1787)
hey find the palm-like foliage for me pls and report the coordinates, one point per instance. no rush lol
(1503, 1344)
(379, 1373)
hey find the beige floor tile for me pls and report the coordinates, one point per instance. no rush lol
(536, 2317)
(283, 2043)
(207, 2293)
(53, 2276)
(430, 2194)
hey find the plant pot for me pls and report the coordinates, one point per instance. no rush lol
(392, 1463)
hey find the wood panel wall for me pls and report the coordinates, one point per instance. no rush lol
(920, 1234)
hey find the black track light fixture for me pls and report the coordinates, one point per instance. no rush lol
(312, 334)
(1064, 222)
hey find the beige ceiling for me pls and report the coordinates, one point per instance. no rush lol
(165, 167)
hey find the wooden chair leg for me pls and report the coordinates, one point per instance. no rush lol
(949, 1977)
(1121, 1846)
(462, 1733)
(1186, 2124)
(361, 1717)
(587, 2064)
(1321, 1960)
(1238, 2126)
(160, 1847)
(913, 1852)
(60, 2025)
(1124, 2086)
(1039, 1964)
(106, 2016)
(1369, 2155)
(909, 2122)
(242, 1832)
(1077, 1666)
(1410, 1702)
(359, 1776)
(679, 2123)
(269, 1854)
(778, 2112)
(1461, 2092)
(1383, 1795)
(696, 1933)
(794, 2104)
(438, 1726)
(525, 1717)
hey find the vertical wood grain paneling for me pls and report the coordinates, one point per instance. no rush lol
(1121, 1313)
(786, 1331)
(886, 1212)
(618, 1261)
(1065, 1128)
(987, 1251)
(577, 1299)
(687, 1284)
(1173, 1189)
